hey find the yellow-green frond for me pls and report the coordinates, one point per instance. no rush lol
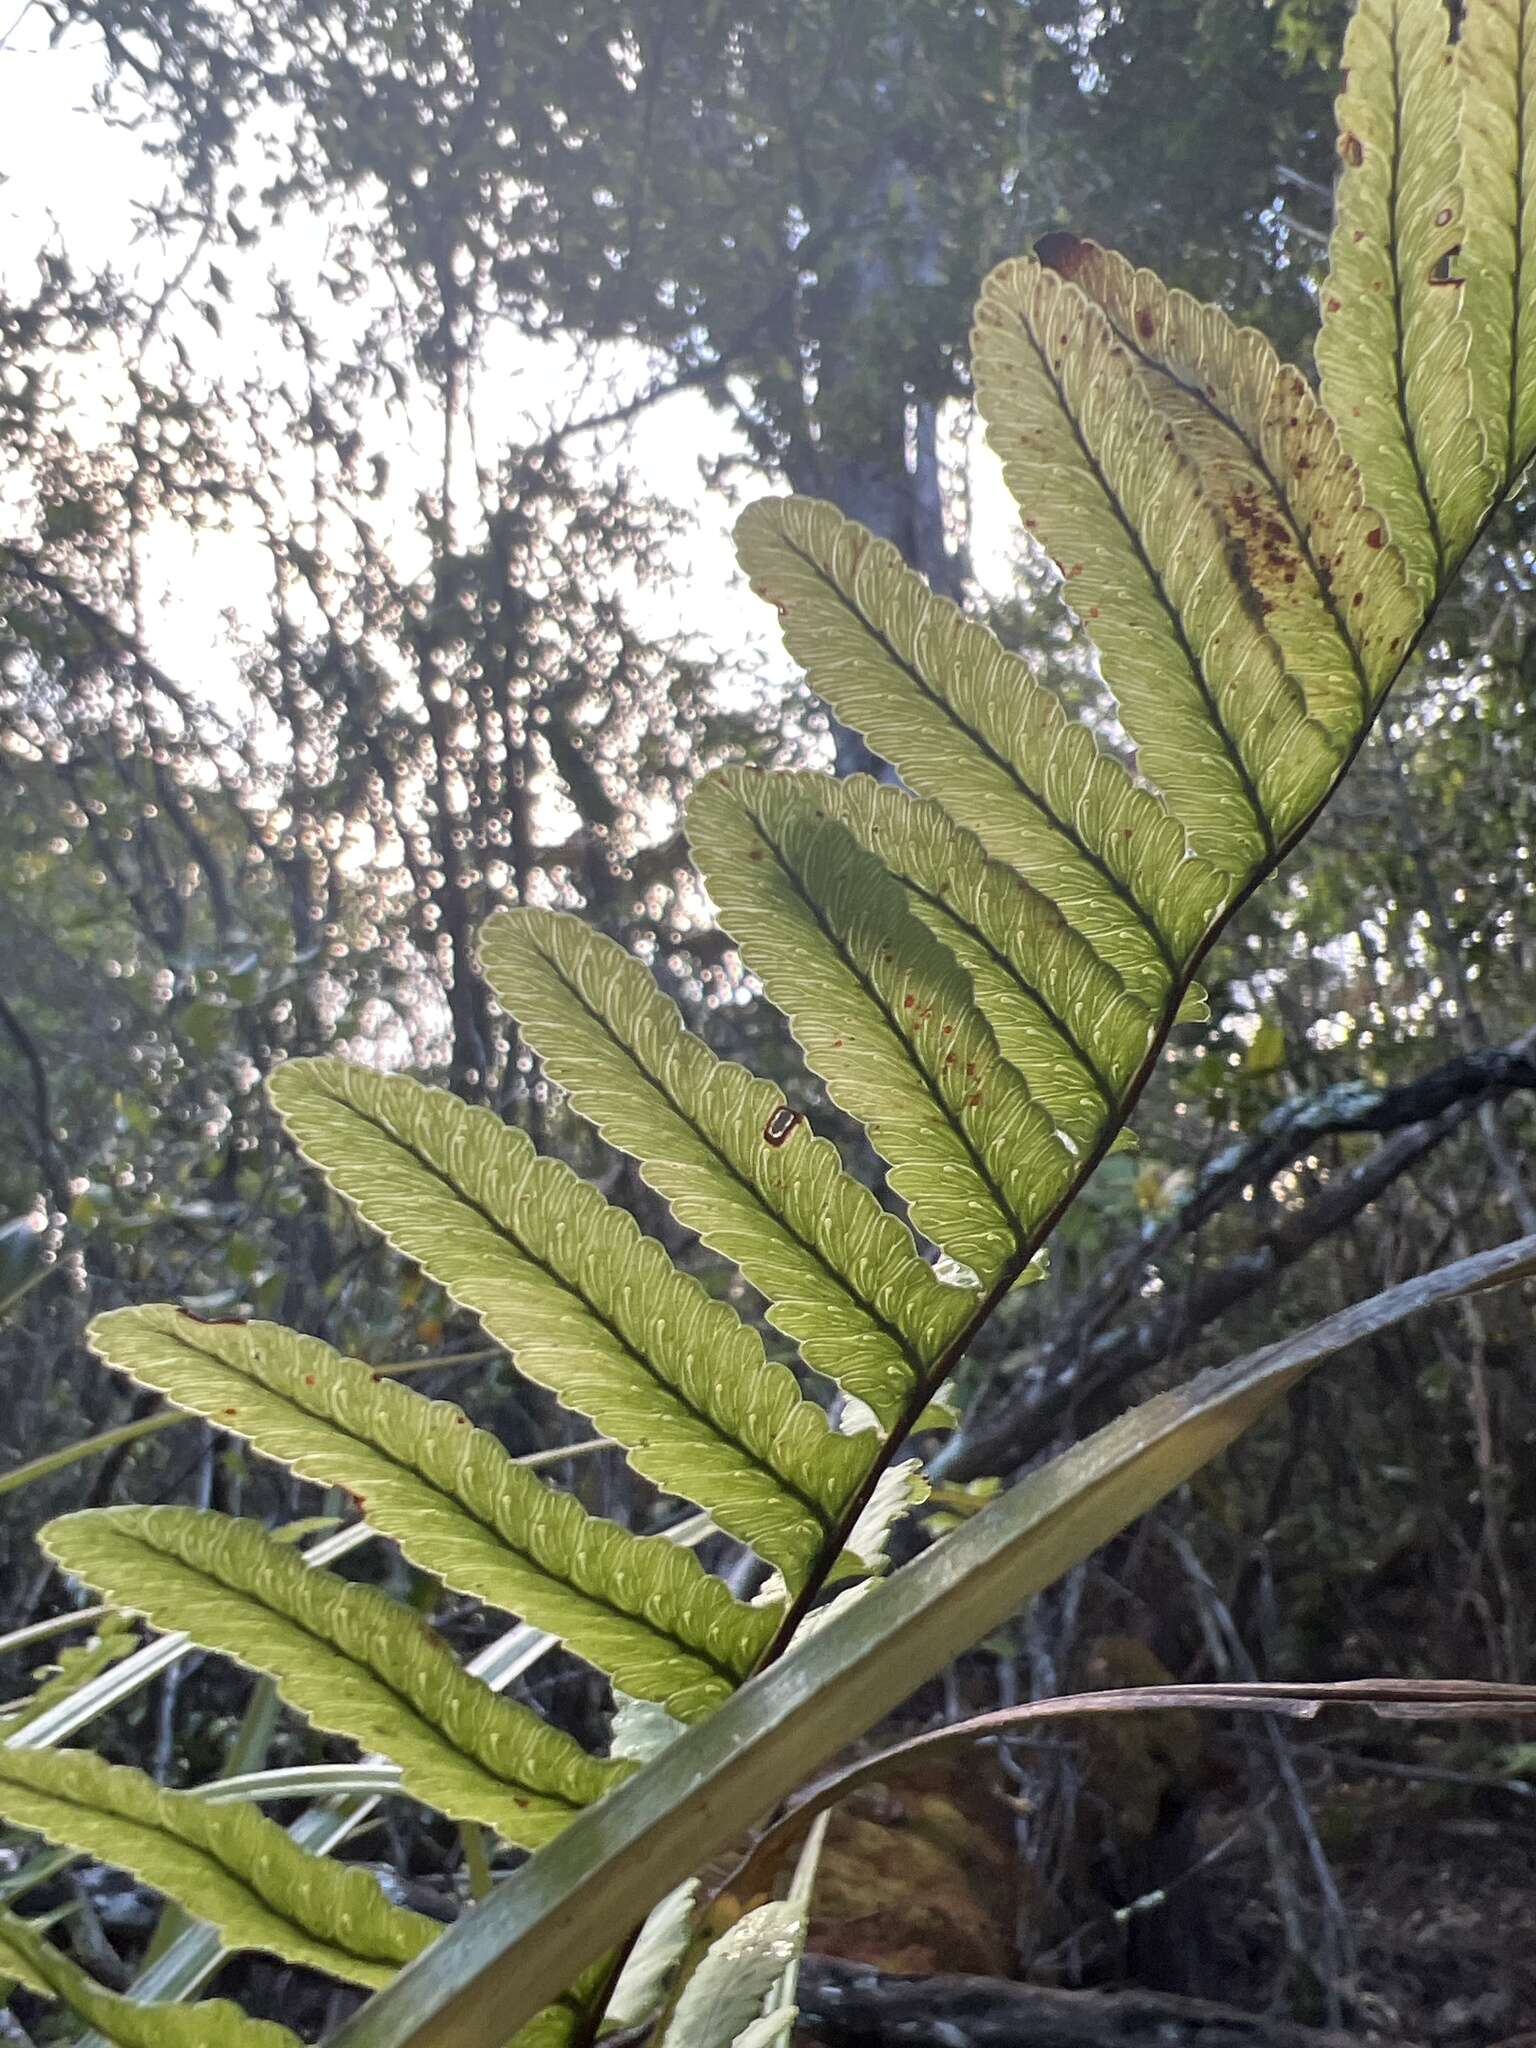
(1060, 1014)
(24, 1954)
(351, 1659)
(971, 726)
(228, 1865)
(885, 1013)
(840, 1275)
(1496, 70)
(586, 1304)
(1393, 350)
(641, 1609)
(1311, 557)
(1220, 727)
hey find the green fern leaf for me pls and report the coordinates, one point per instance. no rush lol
(1220, 728)
(969, 725)
(228, 1865)
(885, 1014)
(353, 1660)
(569, 2019)
(734, 1977)
(1306, 549)
(24, 1954)
(1393, 349)
(1059, 1013)
(587, 1305)
(1496, 63)
(840, 1276)
(638, 1607)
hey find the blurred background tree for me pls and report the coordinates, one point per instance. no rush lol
(361, 567)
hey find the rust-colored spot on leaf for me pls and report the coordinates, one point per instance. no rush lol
(1357, 600)
(309, 1379)
(909, 1002)
(1062, 252)
(781, 1124)
(1265, 552)
(972, 1100)
(1445, 216)
(1146, 326)
(231, 1411)
(1334, 306)
(1352, 149)
(1375, 538)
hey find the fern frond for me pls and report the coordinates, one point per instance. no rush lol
(725, 1994)
(1393, 349)
(1059, 1013)
(354, 1661)
(840, 1275)
(639, 1608)
(25, 1955)
(970, 725)
(885, 1014)
(227, 1865)
(587, 1305)
(1220, 727)
(1496, 67)
(1303, 546)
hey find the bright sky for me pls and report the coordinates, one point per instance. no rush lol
(72, 177)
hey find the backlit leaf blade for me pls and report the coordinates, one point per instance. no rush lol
(1060, 1014)
(971, 726)
(737, 1972)
(39, 1965)
(884, 1012)
(1099, 476)
(1496, 64)
(638, 1607)
(514, 1952)
(841, 1276)
(227, 1865)
(1393, 348)
(1332, 591)
(586, 1304)
(351, 1659)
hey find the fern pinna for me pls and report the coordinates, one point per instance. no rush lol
(981, 965)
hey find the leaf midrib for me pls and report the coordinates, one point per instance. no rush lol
(455, 1505)
(1160, 589)
(1068, 831)
(952, 1122)
(160, 1830)
(330, 1644)
(840, 1281)
(784, 1481)
(1255, 452)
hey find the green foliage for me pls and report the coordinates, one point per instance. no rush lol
(228, 1864)
(982, 971)
(41, 1967)
(454, 1501)
(354, 1661)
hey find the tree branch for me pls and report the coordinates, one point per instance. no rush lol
(1094, 1355)
(849, 2005)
